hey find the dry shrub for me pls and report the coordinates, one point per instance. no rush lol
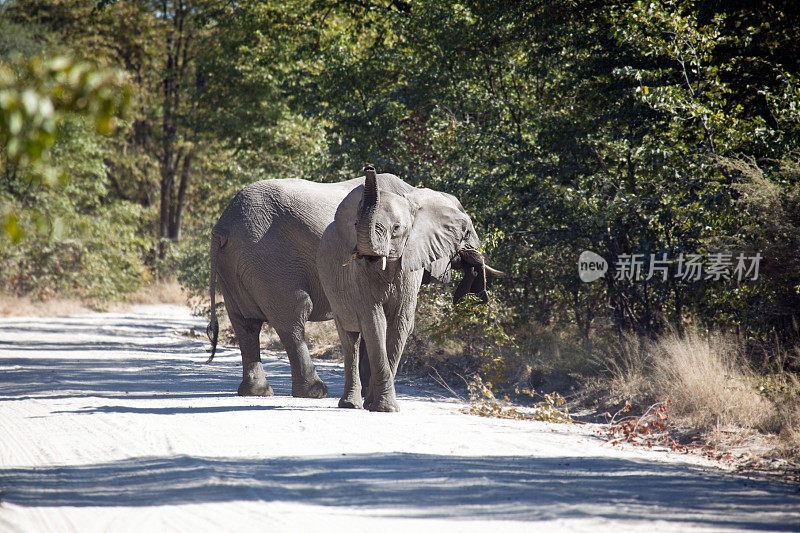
(168, 292)
(711, 387)
(782, 389)
(11, 305)
(629, 366)
(547, 354)
(790, 431)
(484, 402)
(323, 339)
(709, 382)
(421, 349)
(159, 292)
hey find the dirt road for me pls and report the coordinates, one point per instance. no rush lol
(111, 422)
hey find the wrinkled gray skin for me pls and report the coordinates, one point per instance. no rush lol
(264, 251)
(396, 234)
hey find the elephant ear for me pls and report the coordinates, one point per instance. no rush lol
(437, 233)
(440, 270)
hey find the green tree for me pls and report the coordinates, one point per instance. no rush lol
(601, 126)
(37, 94)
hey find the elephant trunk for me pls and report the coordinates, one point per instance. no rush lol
(470, 275)
(475, 269)
(366, 238)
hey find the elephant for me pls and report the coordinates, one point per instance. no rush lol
(265, 253)
(371, 262)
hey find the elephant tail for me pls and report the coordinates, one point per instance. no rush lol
(213, 326)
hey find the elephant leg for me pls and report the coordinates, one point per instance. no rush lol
(363, 367)
(398, 328)
(381, 395)
(352, 381)
(305, 380)
(397, 335)
(254, 381)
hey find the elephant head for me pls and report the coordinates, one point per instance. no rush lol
(476, 274)
(419, 229)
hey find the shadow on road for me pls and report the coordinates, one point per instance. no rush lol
(136, 357)
(140, 358)
(418, 485)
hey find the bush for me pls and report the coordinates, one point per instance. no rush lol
(466, 338)
(708, 380)
(101, 258)
(192, 263)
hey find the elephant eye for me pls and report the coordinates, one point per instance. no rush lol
(396, 228)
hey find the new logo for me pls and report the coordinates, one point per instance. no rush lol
(591, 266)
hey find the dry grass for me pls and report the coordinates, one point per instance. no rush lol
(168, 292)
(790, 432)
(11, 305)
(162, 292)
(712, 389)
(709, 382)
(629, 363)
(321, 337)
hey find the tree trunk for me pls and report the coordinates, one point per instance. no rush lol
(173, 155)
(176, 210)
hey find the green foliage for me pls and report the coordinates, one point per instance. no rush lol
(478, 330)
(77, 244)
(66, 239)
(36, 95)
(766, 202)
(574, 127)
(98, 257)
(193, 263)
(653, 127)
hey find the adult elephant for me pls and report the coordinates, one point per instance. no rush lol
(372, 260)
(264, 253)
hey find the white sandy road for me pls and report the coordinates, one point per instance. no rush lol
(110, 422)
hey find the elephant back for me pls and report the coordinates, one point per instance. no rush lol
(285, 204)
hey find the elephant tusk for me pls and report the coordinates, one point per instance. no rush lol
(383, 263)
(494, 270)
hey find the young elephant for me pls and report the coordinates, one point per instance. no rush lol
(264, 252)
(371, 262)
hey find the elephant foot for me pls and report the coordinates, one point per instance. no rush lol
(351, 401)
(384, 405)
(314, 389)
(369, 399)
(255, 389)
